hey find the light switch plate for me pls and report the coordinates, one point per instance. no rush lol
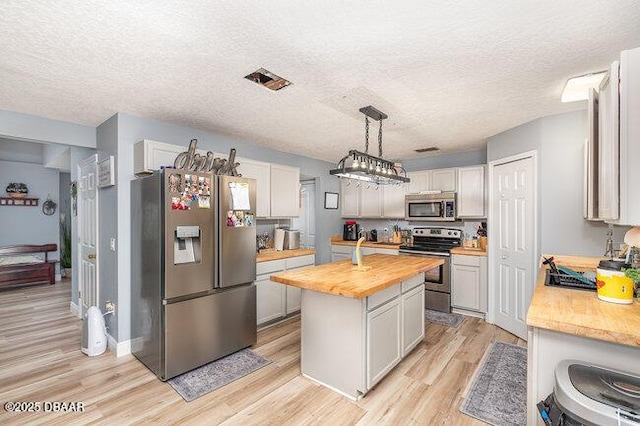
(112, 244)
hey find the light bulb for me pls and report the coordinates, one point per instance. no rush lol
(363, 164)
(378, 170)
(355, 164)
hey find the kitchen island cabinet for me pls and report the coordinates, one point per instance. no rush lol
(358, 325)
(574, 324)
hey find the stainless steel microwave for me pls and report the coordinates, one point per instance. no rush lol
(430, 207)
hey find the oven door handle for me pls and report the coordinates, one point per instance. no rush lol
(424, 253)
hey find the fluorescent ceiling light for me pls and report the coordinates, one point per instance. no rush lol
(577, 88)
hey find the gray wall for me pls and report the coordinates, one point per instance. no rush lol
(26, 224)
(442, 161)
(559, 140)
(131, 129)
(15, 125)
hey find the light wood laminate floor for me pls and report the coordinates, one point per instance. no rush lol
(40, 360)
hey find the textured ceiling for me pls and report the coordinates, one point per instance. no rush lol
(448, 73)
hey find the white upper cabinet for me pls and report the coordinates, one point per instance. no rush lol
(471, 192)
(285, 191)
(393, 201)
(608, 145)
(261, 172)
(419, 181)
(443, 179)
(151, 155)
(432, 180)
(350, 199)
(370, 201)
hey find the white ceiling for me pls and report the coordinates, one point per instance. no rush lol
(448, 73)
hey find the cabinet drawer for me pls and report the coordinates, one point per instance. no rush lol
(270, 266)
(459, 259)
(341, 249)
(299, 261)
(383, 296)
(412, 282)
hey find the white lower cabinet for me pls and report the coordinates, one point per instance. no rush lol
(383, 340)
(412, 318)
(339, 252)
(274, 300)
(469, 283)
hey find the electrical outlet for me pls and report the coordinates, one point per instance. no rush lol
(110, 307)
(112, 244)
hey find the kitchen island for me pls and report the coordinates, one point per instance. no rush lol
(358, 325)
(574, 324)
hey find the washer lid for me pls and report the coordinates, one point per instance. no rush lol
(608, 387)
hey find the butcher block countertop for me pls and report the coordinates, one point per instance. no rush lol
(283, 254)
(343, 279)
(468, 251)
(580, 312)
(337, 240)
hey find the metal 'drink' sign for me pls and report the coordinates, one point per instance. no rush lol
(190, 160)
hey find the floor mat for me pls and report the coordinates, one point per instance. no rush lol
(498, 393)
(443, 318)
(200, 381)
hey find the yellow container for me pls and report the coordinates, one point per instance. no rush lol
(613, 285)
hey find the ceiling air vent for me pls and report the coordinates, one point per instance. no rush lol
(430, 149)
(268, 79)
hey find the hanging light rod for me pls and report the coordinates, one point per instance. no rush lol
(362, 166)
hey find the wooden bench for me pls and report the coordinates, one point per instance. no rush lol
(21, 274)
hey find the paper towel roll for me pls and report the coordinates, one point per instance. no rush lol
(278, 239)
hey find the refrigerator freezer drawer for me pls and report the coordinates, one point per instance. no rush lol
(201, 330)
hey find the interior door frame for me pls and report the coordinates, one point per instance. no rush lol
(93, 158)
(493, 235)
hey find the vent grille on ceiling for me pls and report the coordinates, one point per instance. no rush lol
(268, 79)
(429, 149)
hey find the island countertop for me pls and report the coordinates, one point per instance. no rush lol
(580, 312)
(342, 277)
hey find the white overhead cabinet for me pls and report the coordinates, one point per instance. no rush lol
(432, 180)
(151, 155)
(471, 192)
(261, 172)
(285, 191)
(619, 141)
(371, 201)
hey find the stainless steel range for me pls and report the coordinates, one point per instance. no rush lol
(435, 242)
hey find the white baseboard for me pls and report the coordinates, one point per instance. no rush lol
(58, 277)
(75, 310)
(118, 348)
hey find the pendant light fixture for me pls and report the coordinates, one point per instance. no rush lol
(362, 166)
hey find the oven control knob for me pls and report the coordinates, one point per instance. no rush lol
(449, 232)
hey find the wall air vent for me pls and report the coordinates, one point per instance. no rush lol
(429, 149)
(268, 79)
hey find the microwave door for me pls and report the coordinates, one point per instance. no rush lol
(425, 210)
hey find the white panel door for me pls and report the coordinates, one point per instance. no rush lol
(370, 201)
(412, 319)
(349, 198)
(88, 233)
(418, 181)
(471, 192)
(384, 347)
(609, 145)
(513, 207)
(270, 298)
(306, 222)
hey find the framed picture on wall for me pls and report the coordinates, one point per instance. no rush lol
(330, 200)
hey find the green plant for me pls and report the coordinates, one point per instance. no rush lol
(65, 249)
(634, 274)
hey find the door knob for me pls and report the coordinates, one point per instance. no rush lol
(91, 256)
(503, 257)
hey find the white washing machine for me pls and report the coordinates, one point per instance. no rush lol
(587, 394)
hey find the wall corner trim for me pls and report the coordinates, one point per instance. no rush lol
(118, 348)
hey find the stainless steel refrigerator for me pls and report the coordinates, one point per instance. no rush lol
(193, 267)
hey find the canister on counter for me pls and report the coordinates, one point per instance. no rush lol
(613, 285)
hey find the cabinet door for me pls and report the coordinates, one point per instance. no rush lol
(383, 340)
(419, 181)
(443, 179)
(370, 201)
(412, 319)
(339, 256)
(270, 299)
(471, 192)
(150, 155)
(261, 172)
(285, 191)
(294, 296)
(349, 198)
(465, 287)
(393, 201)
(608, 146)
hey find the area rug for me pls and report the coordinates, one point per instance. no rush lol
(498, 393)
(443, 318)
(200, 381)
